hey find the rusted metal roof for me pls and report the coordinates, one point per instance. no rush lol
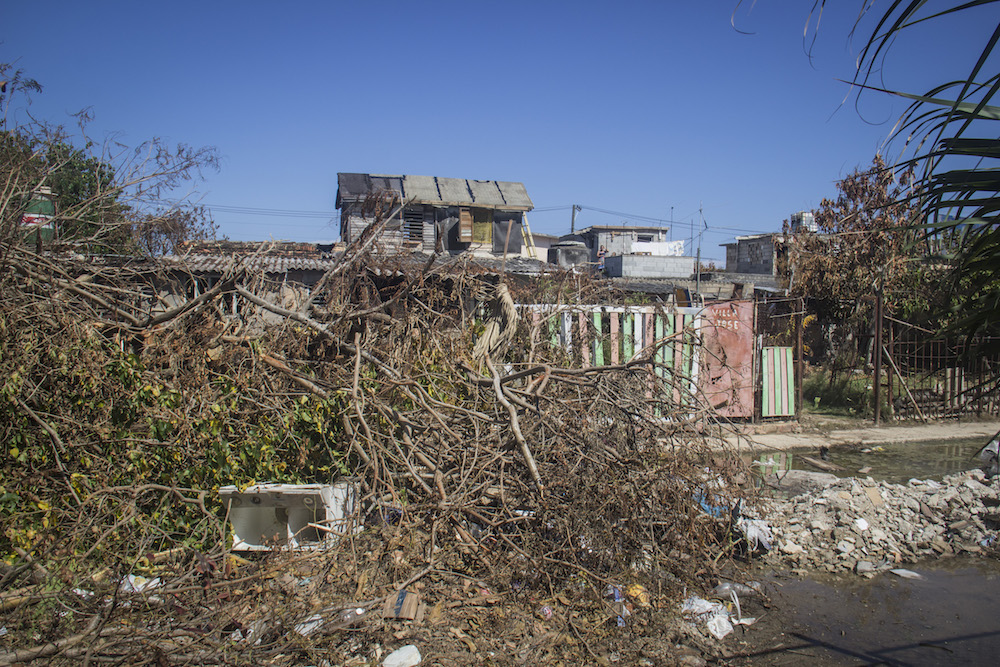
(436, 191)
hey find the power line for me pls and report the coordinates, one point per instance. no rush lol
(253, 210)
(274, 212)
(644, 218)
(333, 216)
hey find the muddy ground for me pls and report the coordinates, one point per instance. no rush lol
(948, 616)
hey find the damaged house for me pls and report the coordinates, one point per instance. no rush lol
(482, 217)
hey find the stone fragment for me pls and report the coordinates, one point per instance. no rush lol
(959, 526)
(792, 548)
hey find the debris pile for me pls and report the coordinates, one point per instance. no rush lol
(491, 483)
(866, 526)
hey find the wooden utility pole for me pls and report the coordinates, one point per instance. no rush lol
(800, 366)
(877, 382)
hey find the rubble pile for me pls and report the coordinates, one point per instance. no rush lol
(866, 526)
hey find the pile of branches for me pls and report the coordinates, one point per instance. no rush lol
(502, 473)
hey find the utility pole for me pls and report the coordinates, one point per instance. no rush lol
(572, 221)
(877, 382)
(697, 272)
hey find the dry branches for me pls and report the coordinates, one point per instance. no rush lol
(145, 408)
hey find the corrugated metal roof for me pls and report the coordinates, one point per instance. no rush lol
(454, 191)
(421, 188)
(268, 264)
(436, 191)
(514, 192)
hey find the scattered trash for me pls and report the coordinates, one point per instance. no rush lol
(724, 589)
(345, 618)
(352, 615)
(906, 574)
(716, 511)
(757, 532)
(718, 624)
(138, 584)
(254, 631)
(407, 656)
(639, 593)
(697, 606)
(614, 593)
(310, 625)
(405, 605)
(716, 615)
(294, 515)
(545, 612)
(990, 456)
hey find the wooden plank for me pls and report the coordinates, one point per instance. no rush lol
(615, 336)
(660, 356)
(778, 391)
(628, 336)
(598, 339)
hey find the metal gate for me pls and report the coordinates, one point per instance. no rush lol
(930, 376)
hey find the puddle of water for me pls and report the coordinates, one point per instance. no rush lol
(951, 616)
(898, 462)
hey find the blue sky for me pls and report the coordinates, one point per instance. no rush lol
(641, 112)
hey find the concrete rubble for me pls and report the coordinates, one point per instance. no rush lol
(866, 526)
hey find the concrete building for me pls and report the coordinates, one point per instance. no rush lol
(803, 221)
(636, 252)
(755, 254)
(482, 217)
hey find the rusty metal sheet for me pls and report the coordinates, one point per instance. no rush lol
(726, 373)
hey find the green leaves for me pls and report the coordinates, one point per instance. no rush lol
(949, 137)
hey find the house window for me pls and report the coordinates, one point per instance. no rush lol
(644, 238)
(482, 225)
(413, 226)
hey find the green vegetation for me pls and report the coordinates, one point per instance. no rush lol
(845, 394)
(950, 141)
(107, 202)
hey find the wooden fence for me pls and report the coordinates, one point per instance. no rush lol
(705, 355)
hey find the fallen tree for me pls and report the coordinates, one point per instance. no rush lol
(499, 476)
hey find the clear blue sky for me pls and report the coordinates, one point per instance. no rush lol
(645, 109)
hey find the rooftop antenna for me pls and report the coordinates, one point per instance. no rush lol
(691, 242)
